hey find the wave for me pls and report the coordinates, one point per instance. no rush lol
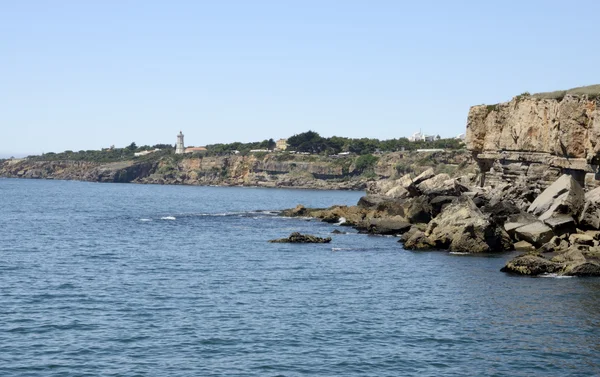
(351, 249)
(555, 276)
(145, 220)
(168, 218)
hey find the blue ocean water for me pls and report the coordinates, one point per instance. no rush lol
(133, 280)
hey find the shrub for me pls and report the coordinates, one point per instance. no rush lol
(365, 162)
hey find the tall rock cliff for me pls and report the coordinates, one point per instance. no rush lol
(538, 137)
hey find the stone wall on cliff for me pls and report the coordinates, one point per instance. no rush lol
(536, 139)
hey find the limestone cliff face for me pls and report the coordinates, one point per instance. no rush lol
(271, 170)
(536, 139)
(568, 128)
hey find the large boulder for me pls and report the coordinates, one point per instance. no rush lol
(501, 210)
(531, 264)
(590, 214)
(398, 192)
(462, 227)
(418, 241)
(388, 225)
(514, 222)
(413, 186)
(419, 210)
(536, 233)
(441, 185)
(564, 196)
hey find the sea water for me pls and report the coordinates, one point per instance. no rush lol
(132, 280)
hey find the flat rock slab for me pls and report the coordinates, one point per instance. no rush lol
(536, 233)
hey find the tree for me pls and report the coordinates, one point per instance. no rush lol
(132, 146)
(271, 144)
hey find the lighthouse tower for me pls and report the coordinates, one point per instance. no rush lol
(179, 149)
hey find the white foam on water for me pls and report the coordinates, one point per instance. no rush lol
(342, 221)
(459, 253)
(145, 219)
(168, 218)
(555, 276)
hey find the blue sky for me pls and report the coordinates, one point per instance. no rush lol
(88, 74)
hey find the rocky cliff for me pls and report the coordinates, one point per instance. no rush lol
(538, 137)
(270, 170)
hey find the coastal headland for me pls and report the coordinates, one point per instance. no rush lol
(528, 178)
(535, 190)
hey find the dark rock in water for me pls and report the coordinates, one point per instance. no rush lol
(419, 241)
(299, 211)
(531, 264)
(302, 238)
(335, 231)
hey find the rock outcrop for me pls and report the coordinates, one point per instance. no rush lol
(462, 227)
(301, 238)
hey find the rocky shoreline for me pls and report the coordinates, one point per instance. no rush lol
(269, 171)
(558, 228)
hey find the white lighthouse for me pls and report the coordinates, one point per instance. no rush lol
(179, 149)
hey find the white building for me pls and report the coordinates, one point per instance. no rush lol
(418, 136)
(180, 148)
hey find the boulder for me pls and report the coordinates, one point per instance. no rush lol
(531, 264)
(433, 182)
(419, 241)
(301, 238)
(388, 225)
(514, 222)
(462, 227)
(299, 211)
(561, 224)
(398, 192)
(581, 239)
(371, 201)
(590, 214)
(413, 229)
(524, 246)
(413, 186)
(439, 203)
(564, 196)
(501, 210)
(554, 245)
(419, 210)
(536, 233)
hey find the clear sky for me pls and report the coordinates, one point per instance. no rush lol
(88, 74)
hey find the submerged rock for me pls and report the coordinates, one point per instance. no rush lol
(531, 264)
(302, 238)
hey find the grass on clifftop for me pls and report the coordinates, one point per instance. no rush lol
(591, 91)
